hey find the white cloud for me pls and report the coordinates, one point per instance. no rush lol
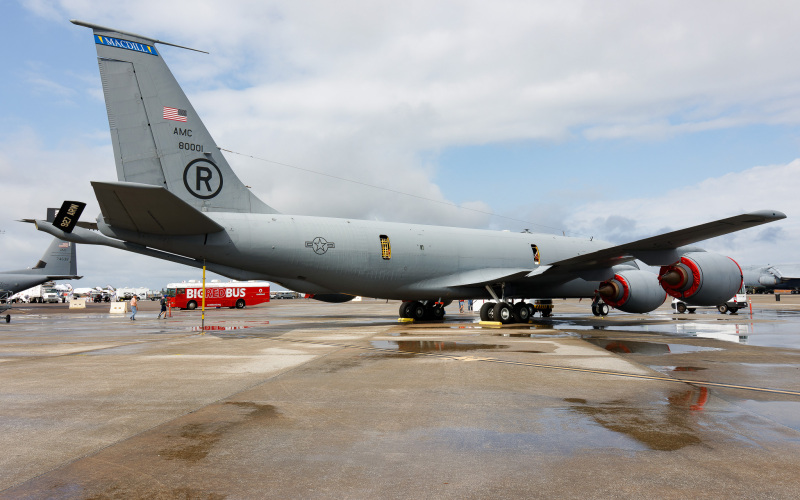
(773, 187)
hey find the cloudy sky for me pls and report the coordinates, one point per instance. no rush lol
(616, 120)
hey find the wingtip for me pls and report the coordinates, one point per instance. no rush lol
(769, 214)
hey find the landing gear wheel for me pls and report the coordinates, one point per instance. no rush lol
(602, 309)
(503, 313)
(723, 308)
(404, 313)
(531, 310)
(437, 313)
(240, 304)
(487, 311)
(521, 312)
(680, 307)
(416, 311)
(594, 310)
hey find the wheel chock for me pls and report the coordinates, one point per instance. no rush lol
(405, 320)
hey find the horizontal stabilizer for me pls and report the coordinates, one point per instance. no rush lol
(149, 209)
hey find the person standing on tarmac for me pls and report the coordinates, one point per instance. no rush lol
(163, 307)
(134, 302)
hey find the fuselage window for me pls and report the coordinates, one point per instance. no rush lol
(535, 254)
(386, 247)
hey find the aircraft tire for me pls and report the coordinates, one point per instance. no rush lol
(240, 304)
(602, 309)
(531, 310)
(485, 308)
(503, 313)
(416, 311)
(594, 310)
(437, 313)
(192, 305)
(404, 313)
(521, 312)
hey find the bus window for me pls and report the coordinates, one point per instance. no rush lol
(386, 247)
(535, 254)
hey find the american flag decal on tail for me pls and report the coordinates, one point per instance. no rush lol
(178, 115)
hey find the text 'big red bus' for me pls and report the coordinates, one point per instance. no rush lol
(239, 294)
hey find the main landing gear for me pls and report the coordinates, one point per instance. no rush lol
(519, 312)
(421, 311)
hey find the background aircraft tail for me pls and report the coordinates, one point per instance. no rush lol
(58, 262)
(158, 138)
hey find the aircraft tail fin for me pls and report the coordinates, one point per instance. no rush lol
(157, 137)
(58, 262)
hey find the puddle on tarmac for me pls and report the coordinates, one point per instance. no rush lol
(769, 328)
(673, 422)
(217, 328)
(647, 348)
(421, 346)
(784, 412)
(668, 426)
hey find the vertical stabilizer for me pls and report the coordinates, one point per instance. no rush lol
(58, 260)
(158, 138)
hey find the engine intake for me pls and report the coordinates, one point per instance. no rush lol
(702, 278)
(633, 291)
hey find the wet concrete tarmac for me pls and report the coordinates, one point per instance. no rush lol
(302, 399)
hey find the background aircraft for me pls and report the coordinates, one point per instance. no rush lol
(57, 263)
(768, 278)
(178, 199)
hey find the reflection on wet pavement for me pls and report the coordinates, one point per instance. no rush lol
(648, 348)
(770, 328)
(420, 346)
(665, 427)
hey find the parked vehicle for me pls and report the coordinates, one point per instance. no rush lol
(738, 301)
(238, 294)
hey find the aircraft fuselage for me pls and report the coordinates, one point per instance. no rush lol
(329, 255)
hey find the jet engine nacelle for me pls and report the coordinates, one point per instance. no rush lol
(633, 291)
(768, 280)
(702, 278)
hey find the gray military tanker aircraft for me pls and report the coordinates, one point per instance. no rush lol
(178, 199)
(769, 278)
(57, 263)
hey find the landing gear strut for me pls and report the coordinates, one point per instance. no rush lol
(599, 308)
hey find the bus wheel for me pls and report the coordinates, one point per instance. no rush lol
(192, 305)
(240, 304)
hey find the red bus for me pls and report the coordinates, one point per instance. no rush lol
(189, 295)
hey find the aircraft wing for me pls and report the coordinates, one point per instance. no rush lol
(663, 249)
(477, 277)
(145, 208)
